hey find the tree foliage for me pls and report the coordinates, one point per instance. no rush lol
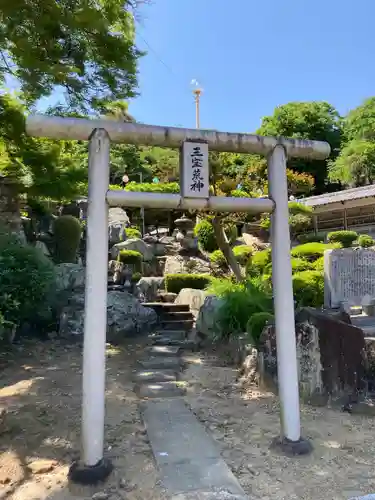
(306, 120)
(85, 47)
(355, 166)
(360, 122)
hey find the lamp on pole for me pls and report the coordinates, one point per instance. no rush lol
(197, 91)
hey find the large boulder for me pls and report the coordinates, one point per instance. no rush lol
(125, 316)
(148, 288)
(194, 298)
(330, 353)
(69, 277)
(206, 320)
(177, 264)
(117, 222)
(133, 244)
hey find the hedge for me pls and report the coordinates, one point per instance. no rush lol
(298, 265)
(174, 283)
(365, 241)
(308, 288)
(345, 238)
(311, 251)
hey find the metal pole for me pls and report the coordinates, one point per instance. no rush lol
(95, 301)
(197, 117)
(283, 298)
(142, 208)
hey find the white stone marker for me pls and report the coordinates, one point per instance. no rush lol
(194, 170)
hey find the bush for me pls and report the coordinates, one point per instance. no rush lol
(131, 258)
(150, 187)
(312, 237)
(298, 265)
(318, 265)
(242, 254)
(299, 208)
(204, 231)
(365, 241)
(133, 232)
(174, 283)
(239, 301)
(256, 324)
(311, 251)
(27, 280)
(258, 262)
(136, 277)
(66, 239)
(299, 222)
(217, 258)
(308, 287)
(345, 238)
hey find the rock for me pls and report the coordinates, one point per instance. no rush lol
(116, 271)
(249, 368)
(169, 297)
(118, 220)
(206, 320)
(133, 244)
(42, 466)
(69, 276)
(149, 288)
(194, 298)
(330, 353)
(176, 264)
(101, 495)
(125, 316)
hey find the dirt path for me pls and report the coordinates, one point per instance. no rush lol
(341, 466)
(40, 385)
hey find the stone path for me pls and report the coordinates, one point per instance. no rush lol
(188, 459)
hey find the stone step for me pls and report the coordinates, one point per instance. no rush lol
(163, 350)
(160, 390)
(143, 376)
(171, 334)
(161, 363)
(176, 315)
(160, 307)
(177, 324)
(183, 344)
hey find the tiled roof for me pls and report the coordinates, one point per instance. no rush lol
(346, 195)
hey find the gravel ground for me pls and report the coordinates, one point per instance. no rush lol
(40, 387)
(244, 423)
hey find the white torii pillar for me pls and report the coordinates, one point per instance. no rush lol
(93, 467)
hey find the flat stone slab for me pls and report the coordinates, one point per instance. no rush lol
(160, 390)
(155, 376)
(163, 350)
(183, 344)
(161, 363)
(366, 497)
(188, 458)
(172, 334)
(209, 495)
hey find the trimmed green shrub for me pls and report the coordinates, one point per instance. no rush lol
(66, 239)
(256, 325)
(318, 265)
(312, 237)
(204, 231)
(133, 232)
(136, 277)
(298, 265)
(131, 258)
(365, 241)
(258, 262)
(174, 283)
(150, 187)
(345, 238)
(27, 280)
(299, 208)
(217, 258)
(308, 287)
(239, 301)
(311, 251)
(242, 254)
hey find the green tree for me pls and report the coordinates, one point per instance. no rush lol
(360, 122)
(85, 47)
(355, 166)
(307, 120)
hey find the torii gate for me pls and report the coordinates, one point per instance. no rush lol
(194, 194)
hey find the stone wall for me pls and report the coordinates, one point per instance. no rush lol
(330, 354)
(349, 275)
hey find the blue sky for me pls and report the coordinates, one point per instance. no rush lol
(251, 56)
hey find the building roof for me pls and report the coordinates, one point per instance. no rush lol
(339, 196)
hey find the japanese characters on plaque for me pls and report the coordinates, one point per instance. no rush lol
(195, 174)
